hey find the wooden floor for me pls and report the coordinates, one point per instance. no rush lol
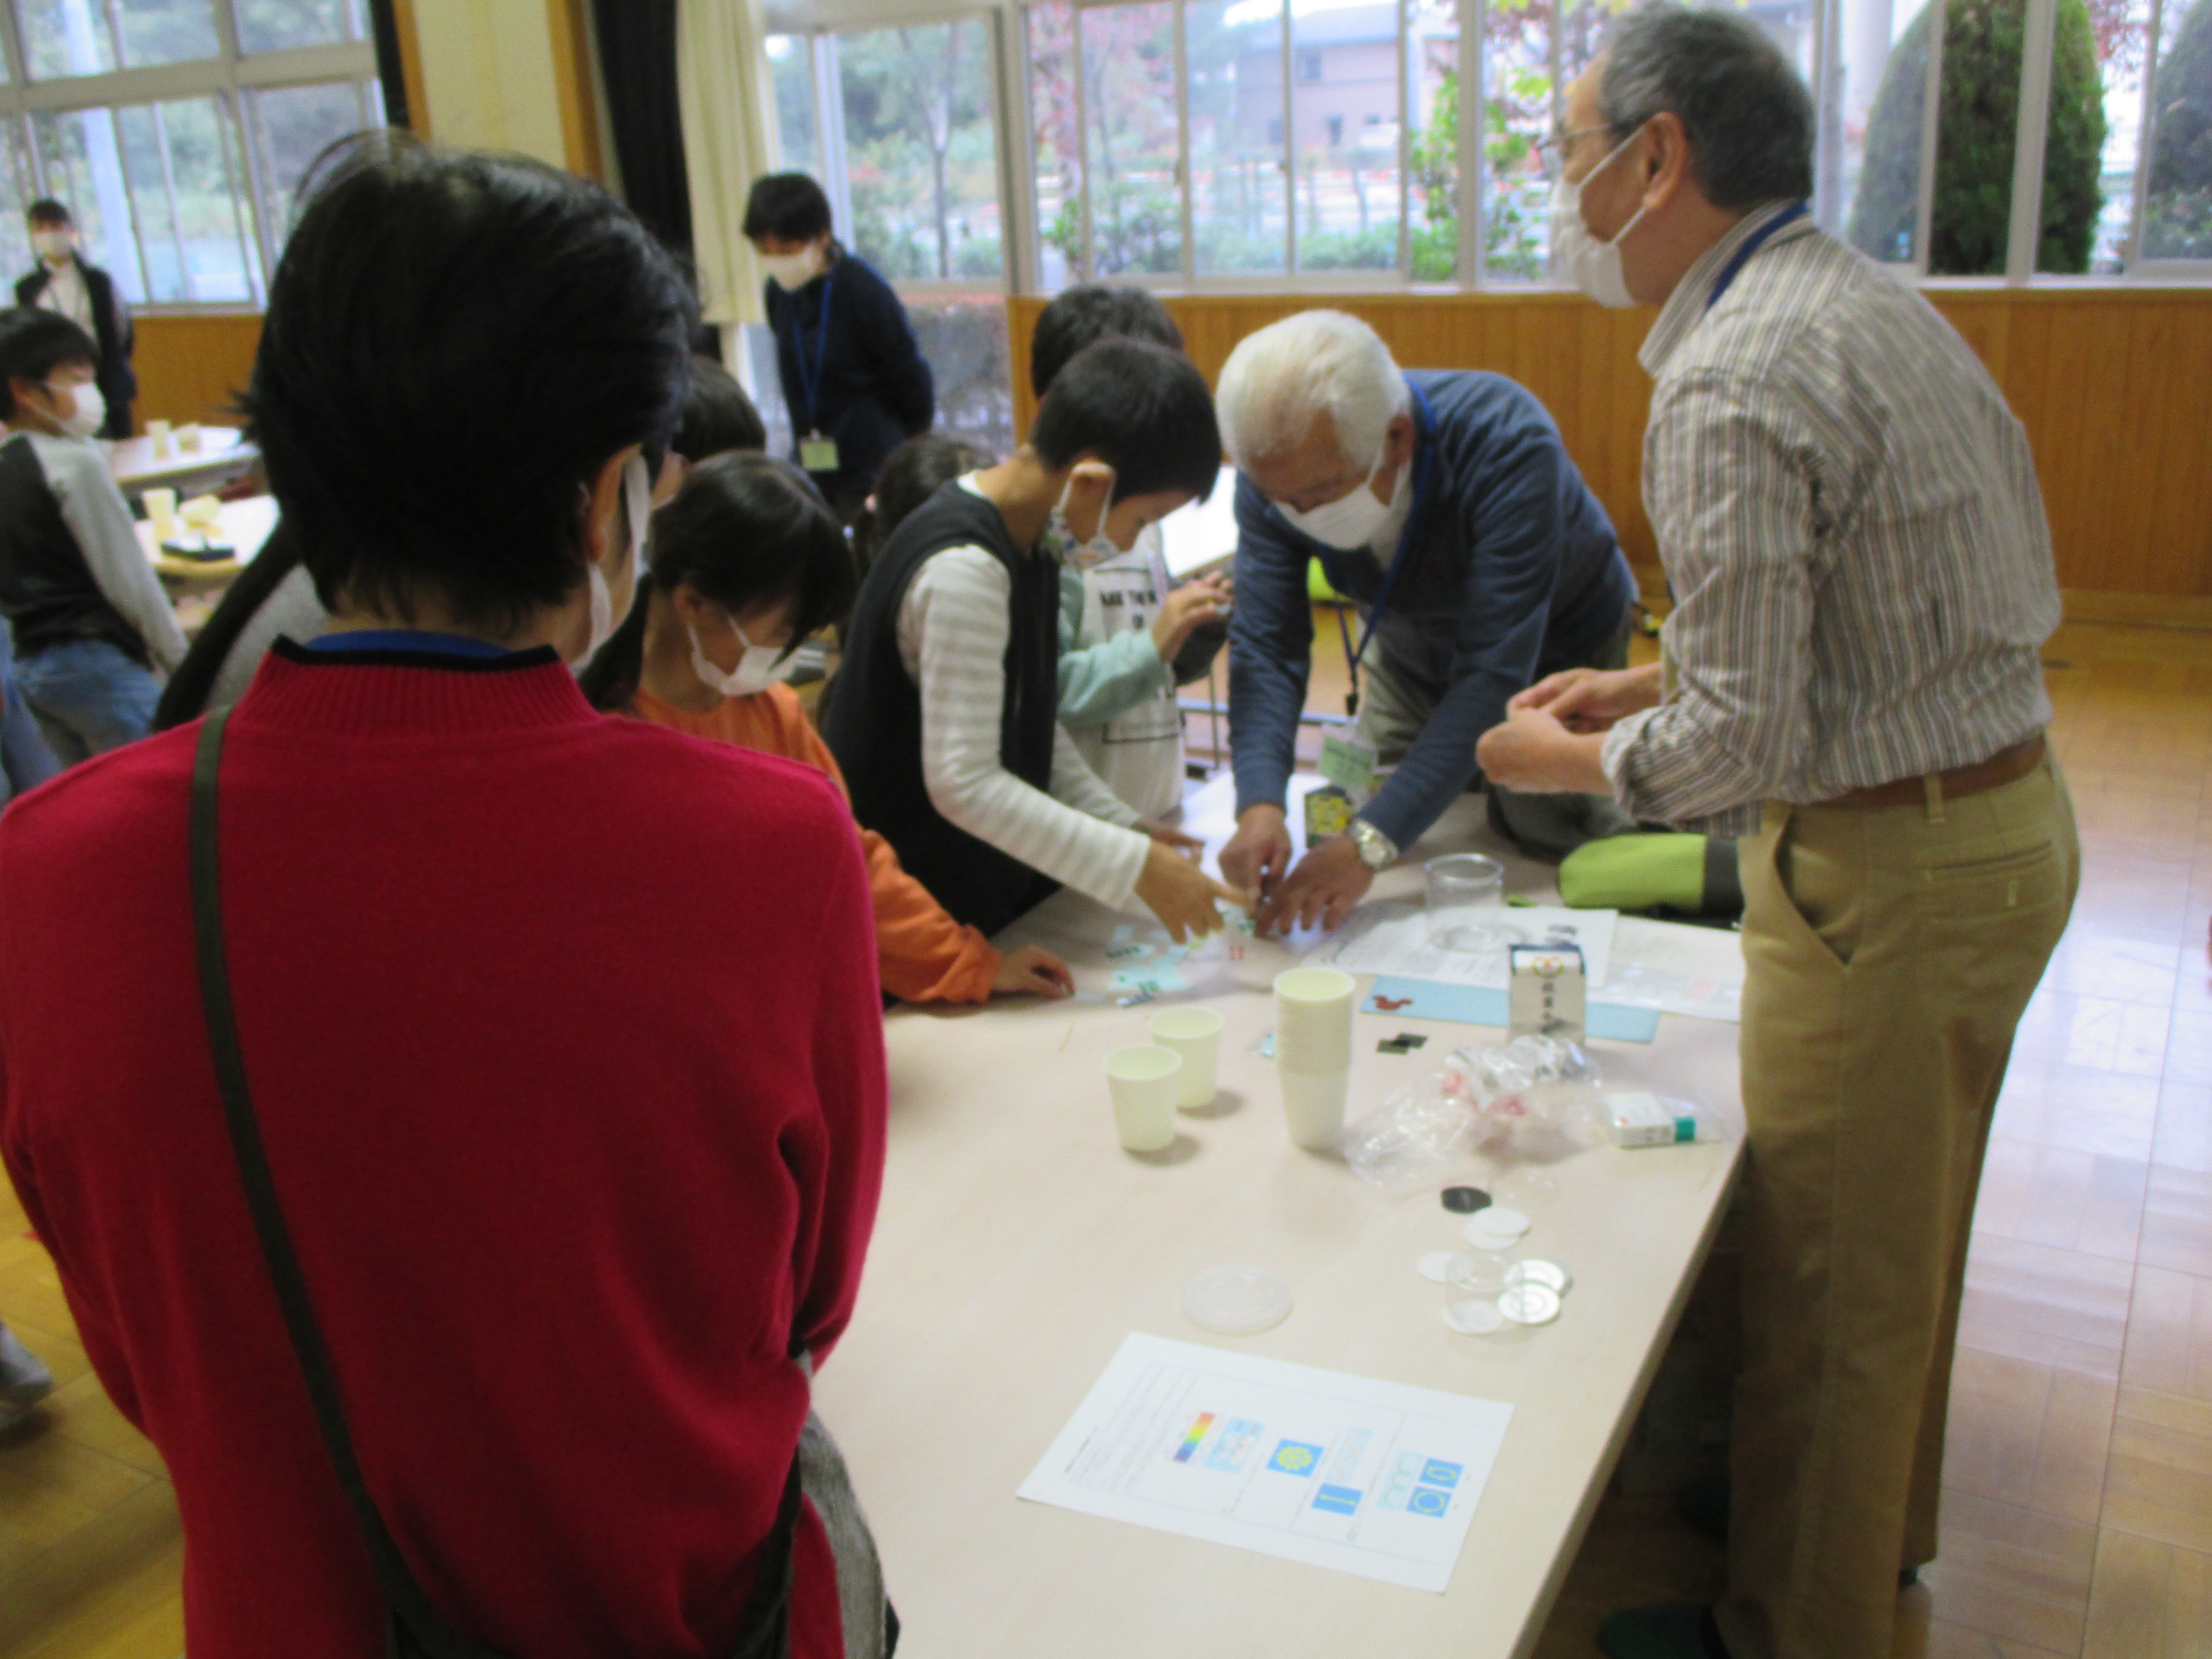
(2078, 1513)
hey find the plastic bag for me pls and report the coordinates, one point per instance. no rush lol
(1538, 1096)
(1415, 1137)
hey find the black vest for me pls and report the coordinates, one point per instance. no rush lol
(874, 726)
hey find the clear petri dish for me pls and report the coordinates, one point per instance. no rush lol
(1237, 1301)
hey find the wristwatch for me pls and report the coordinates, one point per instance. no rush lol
(1375, 848)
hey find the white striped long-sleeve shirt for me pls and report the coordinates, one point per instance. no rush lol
(1849, 520)
(952, 629)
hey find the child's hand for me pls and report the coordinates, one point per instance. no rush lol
(1032, 970)
(1203, 600)
(1182, 895)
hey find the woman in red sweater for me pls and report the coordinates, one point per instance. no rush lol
(747, 562)
(562, 1033)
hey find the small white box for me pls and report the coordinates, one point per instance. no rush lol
(1644, 1120)
(1549, 995)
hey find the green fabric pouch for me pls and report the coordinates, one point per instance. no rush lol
(1654, 874)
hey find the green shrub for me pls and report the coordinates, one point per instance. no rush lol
(1976, 126)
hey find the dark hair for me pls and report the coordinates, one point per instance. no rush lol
(789, 207)
(1142, 410)
(192, 681)
(1082, 316)
(1747, 114)
(745, 530)
(911, 474)
(455, 345)
(717, 414)
(35, 342)
(47, 211)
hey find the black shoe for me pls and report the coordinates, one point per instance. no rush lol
(1673, 1631)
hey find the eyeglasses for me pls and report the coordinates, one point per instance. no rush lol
(1551, 148)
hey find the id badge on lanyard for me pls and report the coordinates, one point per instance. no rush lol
(817, 453)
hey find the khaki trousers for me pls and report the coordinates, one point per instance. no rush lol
(1891, 952)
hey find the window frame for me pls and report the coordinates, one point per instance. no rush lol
(232, 78)
(1024, 272)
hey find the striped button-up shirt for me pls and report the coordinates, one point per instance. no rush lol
(1852, 530)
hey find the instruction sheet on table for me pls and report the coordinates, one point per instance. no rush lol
(1376, 1479)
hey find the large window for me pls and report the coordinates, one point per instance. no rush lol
(900, 125)
(181, 180)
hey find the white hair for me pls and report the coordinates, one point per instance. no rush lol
(1310, 363)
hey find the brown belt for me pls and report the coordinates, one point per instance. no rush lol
(2004, 766)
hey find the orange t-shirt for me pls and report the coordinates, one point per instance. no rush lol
(922, 953)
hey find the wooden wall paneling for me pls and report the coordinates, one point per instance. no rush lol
(2113, 384)
(193, 365)
(576, 86)
(410, 67)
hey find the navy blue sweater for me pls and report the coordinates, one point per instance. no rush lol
(1512, 571)
(874, 387)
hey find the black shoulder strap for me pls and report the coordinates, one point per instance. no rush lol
(416, 1628)
(409, 1608)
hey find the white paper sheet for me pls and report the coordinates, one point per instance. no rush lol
(1677, 969)
(1394, 938)
(1376, 1479)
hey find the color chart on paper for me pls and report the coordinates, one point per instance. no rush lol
(1370, 1478)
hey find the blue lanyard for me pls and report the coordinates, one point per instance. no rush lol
(1752, 243)
(1353, 659)
(811, 384)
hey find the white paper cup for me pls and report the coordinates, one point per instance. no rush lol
(1195, 1035)
(161, 512)
(188, 439)
(1143, 1082)
(165, 442)
(1313, 1019)
(1313, 1107)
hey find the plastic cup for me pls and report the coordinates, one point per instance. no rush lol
(165, 442)
(1466, 903)
(1195, 1035)
(1313, 1107)
(1143, 1082)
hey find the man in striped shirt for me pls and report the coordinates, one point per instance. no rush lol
(1851, 527)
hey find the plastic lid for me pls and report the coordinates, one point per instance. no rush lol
(1435, 1265)
(1474, 1317)
(1529, 1305)
(1237, 1301)
(1550, 1274)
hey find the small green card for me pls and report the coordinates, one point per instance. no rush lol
(818, 454)
(1348, 763)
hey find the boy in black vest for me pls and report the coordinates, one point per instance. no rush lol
(66, 284)
(945, 723)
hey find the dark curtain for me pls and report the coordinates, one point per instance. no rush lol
(384, 26)
(637, 63)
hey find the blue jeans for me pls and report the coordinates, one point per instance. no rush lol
(25, 761)
(88, 697)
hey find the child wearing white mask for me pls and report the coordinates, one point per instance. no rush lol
(91, 623)
(746, 562)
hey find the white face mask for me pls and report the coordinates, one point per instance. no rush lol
(1591, 265)
(637, 506)
(91, 410)
(1081, 555)
(53, 245)
(792, 272)
(759, 667)
(1348, 522)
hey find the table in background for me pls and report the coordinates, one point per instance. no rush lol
(1018, 1245)
(223, 454)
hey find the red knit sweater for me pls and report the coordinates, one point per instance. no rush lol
(566, 1042)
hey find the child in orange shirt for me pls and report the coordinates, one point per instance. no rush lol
(746, 562)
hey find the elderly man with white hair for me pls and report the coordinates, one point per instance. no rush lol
(1446, 505)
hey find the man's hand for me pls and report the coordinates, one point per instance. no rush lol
(1203, 600)
(1033, 971)
(1329, 880)
(1258, 856)
(1182, 895)
(1590, 699)
(1533, 752)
